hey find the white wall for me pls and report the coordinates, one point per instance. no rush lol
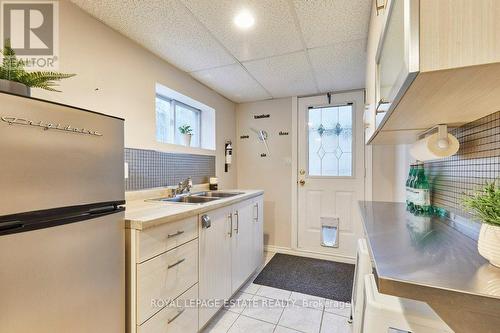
(390, 164)
(117, 76)
(272, 173)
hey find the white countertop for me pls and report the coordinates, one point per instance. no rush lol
(141, 214)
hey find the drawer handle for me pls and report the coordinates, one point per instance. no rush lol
(176, 234)
(177, 315)
(177, 263)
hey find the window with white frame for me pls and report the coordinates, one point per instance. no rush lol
(171, 115)
(175, 110)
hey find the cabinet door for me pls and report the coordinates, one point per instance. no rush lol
(215, 262)
(376, 20)
(258, 231)
(397, 53)
(242, 244)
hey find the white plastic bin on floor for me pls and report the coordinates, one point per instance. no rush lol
(383, 312)
(363, 267)
(374, 312)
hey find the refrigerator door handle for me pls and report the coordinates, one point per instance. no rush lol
(11, 225)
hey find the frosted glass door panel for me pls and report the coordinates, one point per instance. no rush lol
(330, 141)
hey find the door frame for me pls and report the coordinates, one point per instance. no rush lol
(294, 179)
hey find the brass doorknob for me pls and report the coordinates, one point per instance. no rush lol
(302, 182)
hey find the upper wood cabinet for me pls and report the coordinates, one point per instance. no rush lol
(397, 57)
(431, 62)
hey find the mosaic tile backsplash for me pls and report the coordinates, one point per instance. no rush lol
(477, 161)
(149, 168)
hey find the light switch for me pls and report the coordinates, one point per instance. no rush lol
(126, 170)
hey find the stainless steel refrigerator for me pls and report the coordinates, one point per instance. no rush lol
(62, 243)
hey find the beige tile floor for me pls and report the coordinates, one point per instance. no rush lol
(264, 309)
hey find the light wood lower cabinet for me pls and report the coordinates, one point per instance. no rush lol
(204, 258)
(180, 317)
(165, 277)
(162, 265)
(155, 241)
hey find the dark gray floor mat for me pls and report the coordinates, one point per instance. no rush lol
(322, 278)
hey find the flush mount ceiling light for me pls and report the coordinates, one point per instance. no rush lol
(244, 20)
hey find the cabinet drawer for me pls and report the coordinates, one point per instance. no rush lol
(179, 318)
(155, 241)
(165, 277)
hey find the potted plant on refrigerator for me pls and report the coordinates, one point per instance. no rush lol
(485, 206)
(16, 80)
(187, 133)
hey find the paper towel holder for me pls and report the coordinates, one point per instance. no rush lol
(434, 143)
(442, 130)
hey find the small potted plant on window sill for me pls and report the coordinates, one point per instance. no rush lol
(485, 205)
(187, 133)
(16, 80)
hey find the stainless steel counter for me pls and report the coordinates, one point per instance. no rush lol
(424, 258)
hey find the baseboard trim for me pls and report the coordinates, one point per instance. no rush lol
(310, 254)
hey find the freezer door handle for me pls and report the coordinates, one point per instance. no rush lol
(11, 225)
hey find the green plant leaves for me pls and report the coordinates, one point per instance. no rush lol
(485, 204)
(186, 129)
(12, 69)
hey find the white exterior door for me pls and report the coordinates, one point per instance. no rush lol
(330, 173)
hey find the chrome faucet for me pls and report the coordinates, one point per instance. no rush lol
(184, 185)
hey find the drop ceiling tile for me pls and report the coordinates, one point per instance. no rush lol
(233, 82)
(286, 75)
(165, 27)
(340, 66)
(275, 31)
(327, 22)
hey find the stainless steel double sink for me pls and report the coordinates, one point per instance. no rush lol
(199, 198)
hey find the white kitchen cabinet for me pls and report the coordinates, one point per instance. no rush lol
(231, 249)
(215, 260)
(206, 257)
(242, 244)
(258, 232)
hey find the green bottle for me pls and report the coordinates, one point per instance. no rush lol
(422, 200)
(411, 175)
(413, 182)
